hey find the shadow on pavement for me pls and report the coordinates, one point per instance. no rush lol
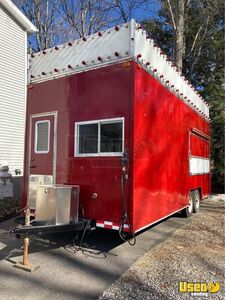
(96, 243)
(69, 271)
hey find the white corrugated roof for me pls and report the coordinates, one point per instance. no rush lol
(18, 15)
(121, 43)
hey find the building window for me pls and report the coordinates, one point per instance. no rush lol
(99, 138)
(42, 136)
(88, 138)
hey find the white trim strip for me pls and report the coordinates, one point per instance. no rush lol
(108, 223)
(100, 225)
(114, 227)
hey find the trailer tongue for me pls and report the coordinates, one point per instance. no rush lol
(65, 198)
(39, 228)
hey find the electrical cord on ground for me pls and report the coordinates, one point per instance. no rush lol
(83, 234)
(74, 247)
(83, 247)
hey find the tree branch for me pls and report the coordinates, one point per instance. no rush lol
(172, 15)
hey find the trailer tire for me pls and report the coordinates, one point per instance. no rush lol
(187, 212)
(196, 201)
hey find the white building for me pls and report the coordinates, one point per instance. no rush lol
(14, 28)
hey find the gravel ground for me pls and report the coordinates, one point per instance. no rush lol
(195, 253)
(9, 206)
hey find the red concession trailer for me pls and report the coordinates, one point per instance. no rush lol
(111, 113)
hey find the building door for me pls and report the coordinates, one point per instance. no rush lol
(42, 157)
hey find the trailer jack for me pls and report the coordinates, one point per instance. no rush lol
(25, 264)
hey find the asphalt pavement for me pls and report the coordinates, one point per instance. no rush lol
(67, 271)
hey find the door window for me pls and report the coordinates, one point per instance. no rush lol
(42, 136)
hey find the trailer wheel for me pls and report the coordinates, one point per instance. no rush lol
(187, 212)
(196, 201)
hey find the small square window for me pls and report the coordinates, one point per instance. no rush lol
(42, 133)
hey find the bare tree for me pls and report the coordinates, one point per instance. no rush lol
(176, 11)
(61, 20)
(87, 16)
(125, 9)
(45, 16)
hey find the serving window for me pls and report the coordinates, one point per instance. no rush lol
(199, 152)
(199, 146)
(99, 138)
